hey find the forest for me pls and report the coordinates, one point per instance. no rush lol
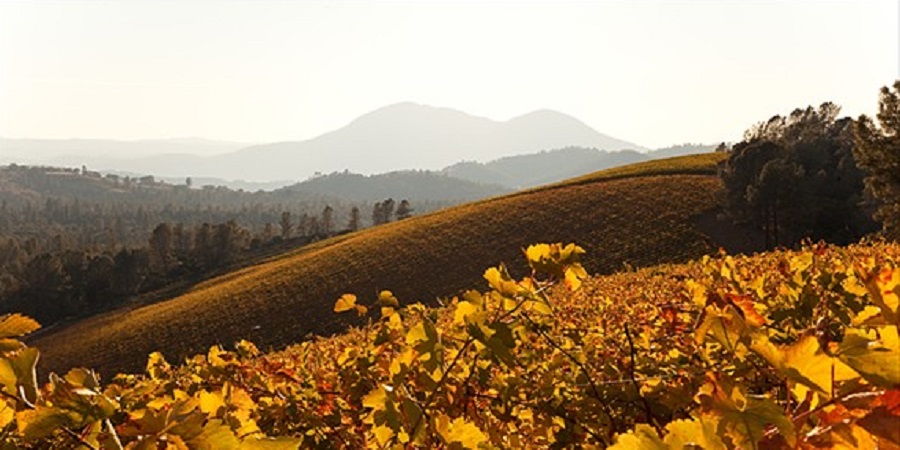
(74, 242)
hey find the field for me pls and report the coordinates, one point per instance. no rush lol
(639, 215)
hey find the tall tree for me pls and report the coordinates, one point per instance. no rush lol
(387, 210)
(404, 211)
(162, 243)
(287, 227)
(328, 220)
(878, 152)
(353, 225)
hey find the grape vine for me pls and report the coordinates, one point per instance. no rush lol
(790, 349)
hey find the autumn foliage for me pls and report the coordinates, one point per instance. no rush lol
(783, 350)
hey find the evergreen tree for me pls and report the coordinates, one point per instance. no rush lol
(878, 152)
(353, 225)
(328, 220)
(404, 211)
(287, 227)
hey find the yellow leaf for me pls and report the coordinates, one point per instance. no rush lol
(537, 253)
(12, 325)
(7, 412)
(279, 443)
(885, 290)
(210, 402)
(214, 356)
(387, 299)
(642, 437)
(542, 308)
(876, 356)
(465, 433)
(693, 434)
(697, 292)
(39, 422)
(805, 362)
(345, 303)
(463, 310)
(383, 434)
(574, 274)
(375, 399)
(416, 334)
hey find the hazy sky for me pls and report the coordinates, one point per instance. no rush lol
(652, 72)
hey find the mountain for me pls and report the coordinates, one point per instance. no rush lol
(619, 216)
(411, 184)
(403, 136)
(410, 136)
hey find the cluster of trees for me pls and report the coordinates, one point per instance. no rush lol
(383, 211)
(813, 175)
(54, 283)
(795, 176)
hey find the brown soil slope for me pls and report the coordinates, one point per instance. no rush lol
(619, 217)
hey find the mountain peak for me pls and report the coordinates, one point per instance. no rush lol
(407, 111)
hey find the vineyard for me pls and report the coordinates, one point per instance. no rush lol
(790, 349)
(640, 216)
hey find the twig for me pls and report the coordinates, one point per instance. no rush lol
(637, 387)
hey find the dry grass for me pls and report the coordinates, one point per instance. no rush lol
(619, 216)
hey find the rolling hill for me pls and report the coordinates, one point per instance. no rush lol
(415, 185)
(637, 215)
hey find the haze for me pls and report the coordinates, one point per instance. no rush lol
(653, 73)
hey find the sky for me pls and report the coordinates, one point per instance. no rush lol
(652, 72)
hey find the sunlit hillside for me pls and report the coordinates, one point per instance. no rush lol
(637, 216)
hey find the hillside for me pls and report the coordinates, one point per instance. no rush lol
(550, 166)
(414, 185)
(524, 171)
(621, 216)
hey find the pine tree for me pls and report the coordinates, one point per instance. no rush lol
(403, 210)
(353, 225)
(878, 152)
(328, 220)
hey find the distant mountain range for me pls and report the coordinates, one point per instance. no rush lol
(411, 136)
(396, 137)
